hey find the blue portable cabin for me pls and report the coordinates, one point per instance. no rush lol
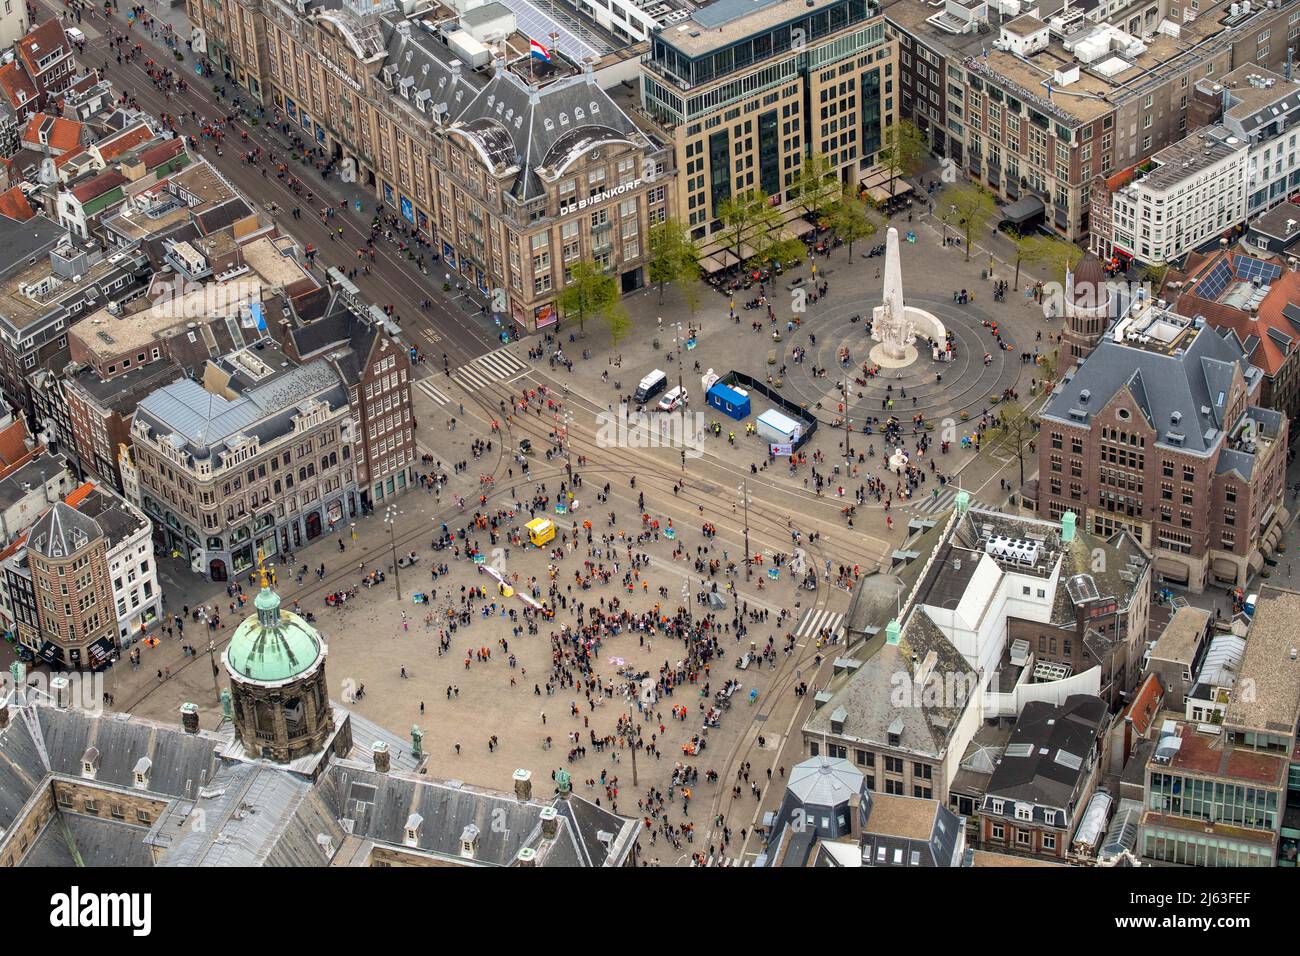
(729, 400)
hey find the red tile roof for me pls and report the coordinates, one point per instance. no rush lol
(1146, 704)
(155, 156)
(14, 204)
(13, 446)
(13, 547)
(1270, 354)
(40, 41)
(63, 134)
(77, 495)
(17, 86)
(98, 186)
(115, 146)
(1214, 756)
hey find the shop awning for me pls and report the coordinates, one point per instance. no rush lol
(1255, 562)
(799, 227)
(1173, 570)
(50, 652)
(1225, 568)
(101, 651)
(1022, 210)
(1270, 540)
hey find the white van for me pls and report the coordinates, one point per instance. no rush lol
(673, 399)
(650, 386)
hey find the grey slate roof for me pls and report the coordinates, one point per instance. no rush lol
(513, 125)
(254, 815)
(1162, 385)
(200, 420)
(262, 814)
(868, 695)
(1058, 743)
(62, 531)
(97, 842)
(181, 762)
(23, 241)
(22, 770)
(380, 804)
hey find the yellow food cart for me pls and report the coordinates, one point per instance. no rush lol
(540, 531)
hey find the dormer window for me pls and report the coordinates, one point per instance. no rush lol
(564, 119)
(548, 124)
(578, 113)
(995, 805)
(1024, 811)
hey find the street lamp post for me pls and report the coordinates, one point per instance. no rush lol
(212, 659)
(848, 429)
(681, 343)
(568, 454)
(391, 515)
(743, 488)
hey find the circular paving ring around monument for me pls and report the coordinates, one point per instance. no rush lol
(968, 384)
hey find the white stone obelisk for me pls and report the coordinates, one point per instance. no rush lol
(893, 277)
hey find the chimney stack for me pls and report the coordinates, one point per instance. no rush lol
(59, 692)
(523, 785)
(550, 822)
(380, 751)
(526, 856)
(190, 718)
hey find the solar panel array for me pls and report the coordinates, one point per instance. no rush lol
(1211, 286)
(1249, 268)
(537, 20)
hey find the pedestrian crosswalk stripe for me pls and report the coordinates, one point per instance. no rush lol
(432, 392)
(933, 504)
(499, 366)
(814, 621)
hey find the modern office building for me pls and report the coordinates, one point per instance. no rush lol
(746, 90)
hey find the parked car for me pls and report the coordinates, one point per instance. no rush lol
(674, 399)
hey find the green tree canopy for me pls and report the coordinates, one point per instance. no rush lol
(971, 209)
(851, 220)
(748, 219)
(589, 291)
(904, 152)
(815, 187)
(673, 256)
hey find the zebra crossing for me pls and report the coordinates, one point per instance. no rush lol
(428, 388)
(934, 504)
(815, 621)
(501, 365)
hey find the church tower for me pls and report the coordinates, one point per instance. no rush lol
(1087, 309)
(276, 665)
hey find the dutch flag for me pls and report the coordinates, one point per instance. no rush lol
(538, 50)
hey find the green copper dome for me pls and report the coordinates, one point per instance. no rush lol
(272, 645)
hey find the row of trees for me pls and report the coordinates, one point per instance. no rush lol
(753, 224)
(970, 209)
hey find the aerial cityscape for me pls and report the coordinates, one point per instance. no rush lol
(649, 433)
